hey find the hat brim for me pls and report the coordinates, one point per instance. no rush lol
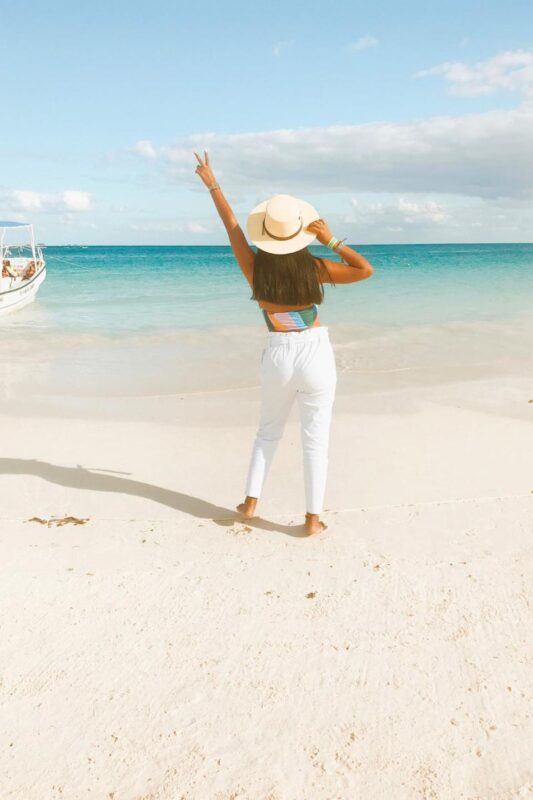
(264, 242)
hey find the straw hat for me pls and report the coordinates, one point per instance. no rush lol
(279, 225)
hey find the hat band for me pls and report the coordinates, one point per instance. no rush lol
(282, 238)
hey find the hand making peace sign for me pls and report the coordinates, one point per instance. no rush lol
(204, 171)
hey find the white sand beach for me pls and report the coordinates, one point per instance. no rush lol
(182, 185)
(164, 649)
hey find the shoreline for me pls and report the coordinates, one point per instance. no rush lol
(38, 372)
(486, 390)
(410, 425)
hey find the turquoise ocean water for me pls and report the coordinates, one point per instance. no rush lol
(114, 290)
(151, 320)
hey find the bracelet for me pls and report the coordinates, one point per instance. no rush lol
(213, 187)
(335, 244)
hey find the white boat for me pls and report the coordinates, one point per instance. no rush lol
(23, 266)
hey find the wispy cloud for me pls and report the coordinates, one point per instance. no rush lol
(280, 46)
(402, 211)
(364, 43)
(437, 218)
(144, 148)
(428, 210)
(156, 226)
(49, 202)
(511, 70)
(195, 227)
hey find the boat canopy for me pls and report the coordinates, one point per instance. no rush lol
(6, 226)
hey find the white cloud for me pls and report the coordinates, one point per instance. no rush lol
(76, 201)
(396, 212)
(364, 43)
(195, 227)
(486, 155)
(438, 218)
(430, 211)
(58, 202)
(26, 201)
(511, 70)
(144, 148)
(163, 226)
(279, 47)
(153, 227)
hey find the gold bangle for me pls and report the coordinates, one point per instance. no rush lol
(213, 187)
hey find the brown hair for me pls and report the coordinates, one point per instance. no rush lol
(288, 279)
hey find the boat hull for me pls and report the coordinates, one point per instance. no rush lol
(12, 299)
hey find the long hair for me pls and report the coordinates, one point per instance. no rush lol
(288, 279)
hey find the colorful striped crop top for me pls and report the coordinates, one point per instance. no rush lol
(292, 320)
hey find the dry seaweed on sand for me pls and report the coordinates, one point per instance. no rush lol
(58, 522)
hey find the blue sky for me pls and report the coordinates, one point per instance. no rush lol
(401, 122)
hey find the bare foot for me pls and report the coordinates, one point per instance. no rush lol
(313, 524)
(247, 508)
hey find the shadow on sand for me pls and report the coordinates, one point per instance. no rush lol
(96, 480)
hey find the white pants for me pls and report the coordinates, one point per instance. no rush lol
(296, 365)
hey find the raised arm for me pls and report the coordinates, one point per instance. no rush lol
(242, 250)
(355, 266)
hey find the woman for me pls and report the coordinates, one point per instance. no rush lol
(298, 360)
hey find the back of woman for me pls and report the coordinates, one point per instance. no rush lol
(298, 362)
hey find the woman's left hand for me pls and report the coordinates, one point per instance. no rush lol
(204, 171)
